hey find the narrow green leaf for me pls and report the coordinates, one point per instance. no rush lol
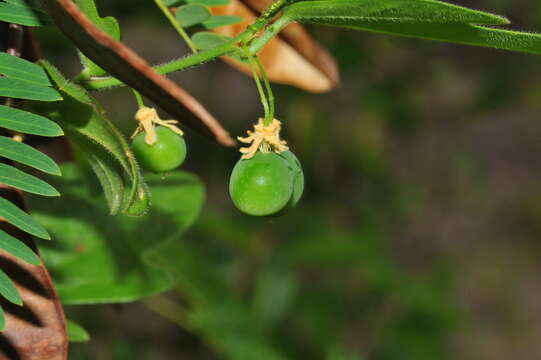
(107, 170)
(76, 332)
(527, 42)
(360, 12)
(221, 20)
(192, 14)
(108, 24)
(85, 123)
(28, 123)
(17, 13)
(2, 320)
(205, 40)
(209, 2)
(17, 68)
(17, 248)
(18, 179)
(8, 290)
(103, 270)
(22, 220)
(19, 89)
(424, 19)
(27, 155)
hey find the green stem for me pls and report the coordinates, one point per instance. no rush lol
(273, 9)
(138, 98)
(177, 65)
(270, 95)
(176, 25)
(246, 37)
(264, 100)
(267, 35)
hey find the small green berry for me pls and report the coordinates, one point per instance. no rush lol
(262, 185)
(167, 153)
(298, 177)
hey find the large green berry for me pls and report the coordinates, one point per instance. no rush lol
(167, 153)
(261, 185)
(298, 177)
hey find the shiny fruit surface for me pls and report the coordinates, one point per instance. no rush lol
(167, 153)
(262, 185)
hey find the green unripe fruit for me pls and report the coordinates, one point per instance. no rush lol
(167, 153)
(262, 185)
(298, 177)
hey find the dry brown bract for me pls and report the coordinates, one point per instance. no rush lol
(292, 58)
(266, 138)
(147, 118)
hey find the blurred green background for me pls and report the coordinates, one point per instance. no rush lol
(417, 237)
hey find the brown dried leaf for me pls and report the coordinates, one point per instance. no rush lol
(123, 63)
(292, 58)
(37, 330)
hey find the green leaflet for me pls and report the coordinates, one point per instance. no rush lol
(23, 80)
(106, 150)
(17, 248)
(221, 20)
(21, 12)
(174, 3)
(28, 123)
(19, 89)
(27, 155)
(97, 258)
(205, 40)
(191, 14)
(2, 320)
(360, 12)
(108, 24)
(8, 290)
(22, 220)
(17, 68)
(18, 179)
(76, 332)
(209, 2)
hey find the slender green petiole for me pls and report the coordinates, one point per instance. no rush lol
(264, 100)
(138, 98)
(270, 95)
(176, 25)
